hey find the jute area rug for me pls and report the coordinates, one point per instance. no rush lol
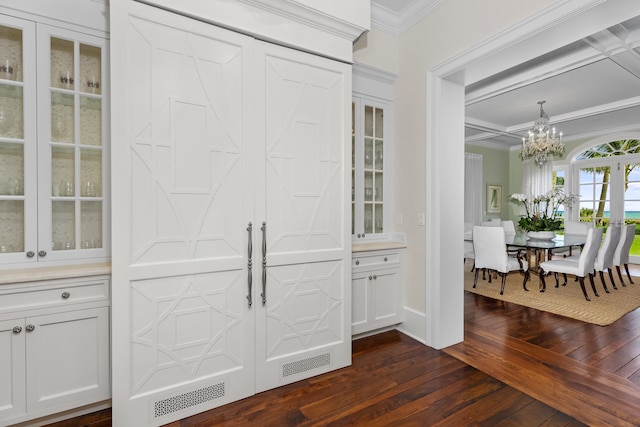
(567, 300)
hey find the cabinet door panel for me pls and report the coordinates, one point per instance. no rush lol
(360, 303)
(385, 293)
(68, 359)
(305, 152)
(12, 369)
(304, 327)
(184, 338)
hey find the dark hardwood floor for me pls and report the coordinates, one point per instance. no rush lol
(516, 367)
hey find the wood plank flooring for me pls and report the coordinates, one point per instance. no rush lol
(517, 367)
(587, 371)
(393, 381)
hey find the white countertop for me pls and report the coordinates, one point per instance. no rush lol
(20, 275)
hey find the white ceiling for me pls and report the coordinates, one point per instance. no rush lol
(591, 87)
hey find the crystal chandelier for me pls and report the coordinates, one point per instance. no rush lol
(542, 142)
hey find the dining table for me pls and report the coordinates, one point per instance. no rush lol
(540, 250)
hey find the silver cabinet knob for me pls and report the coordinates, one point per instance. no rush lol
(370, 278)
(30, 327)
(65, 295)
(357, 262)
(385, 259)
(17, 329)
(42, 253)
(375, 277)
(31, 254)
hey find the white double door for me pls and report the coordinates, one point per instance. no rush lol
(610, 188)
(229, 184)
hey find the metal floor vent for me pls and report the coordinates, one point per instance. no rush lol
(306, 364)
(187, 400)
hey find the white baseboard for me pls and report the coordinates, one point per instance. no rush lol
(414, 325)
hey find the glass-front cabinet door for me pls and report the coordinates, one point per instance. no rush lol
(53, 138)
(72, 209)
(369, 151)
(18, 184)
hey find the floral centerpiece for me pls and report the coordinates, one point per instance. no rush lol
(542, 212)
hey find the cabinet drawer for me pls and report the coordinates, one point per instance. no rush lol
(378, 260)
(52, 294)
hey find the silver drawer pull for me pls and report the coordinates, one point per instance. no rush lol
(17, 329)
(31, 254)
(42, 253)
(65, 295)
(30, 327)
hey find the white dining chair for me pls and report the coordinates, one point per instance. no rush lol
(604, 259)
(509, 227)
(573, 228)
(490, 250)
(581, 267)
(621, 254)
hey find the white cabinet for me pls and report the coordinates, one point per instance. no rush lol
(55, 347)
(53, 143)
(234, 277)
(377, 284)
(371, 151)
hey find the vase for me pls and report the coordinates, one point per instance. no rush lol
(542, 235)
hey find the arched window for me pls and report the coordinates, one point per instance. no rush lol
(613, 148)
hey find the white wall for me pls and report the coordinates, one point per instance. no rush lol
(453, 29)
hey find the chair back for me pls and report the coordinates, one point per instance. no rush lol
(604, 259)
(494, 222)
(468, 230)
(490, 249)
(509, 227)
(589, 252)
(577, 227)
(621, 254)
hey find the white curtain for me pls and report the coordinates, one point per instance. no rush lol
(473, 188)
(536, 179)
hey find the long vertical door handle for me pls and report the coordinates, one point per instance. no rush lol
(249, 265)
(264, 262)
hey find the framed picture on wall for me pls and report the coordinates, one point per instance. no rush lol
(494, 199)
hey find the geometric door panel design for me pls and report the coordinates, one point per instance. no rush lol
(186, 147)
(303, 327)
(183, 329)
(185, 322)
(304, 308)
(304, 156)
(222, 134)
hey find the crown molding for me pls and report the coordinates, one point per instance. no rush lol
(396, 23)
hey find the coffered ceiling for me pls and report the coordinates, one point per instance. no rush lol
(591, 86)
